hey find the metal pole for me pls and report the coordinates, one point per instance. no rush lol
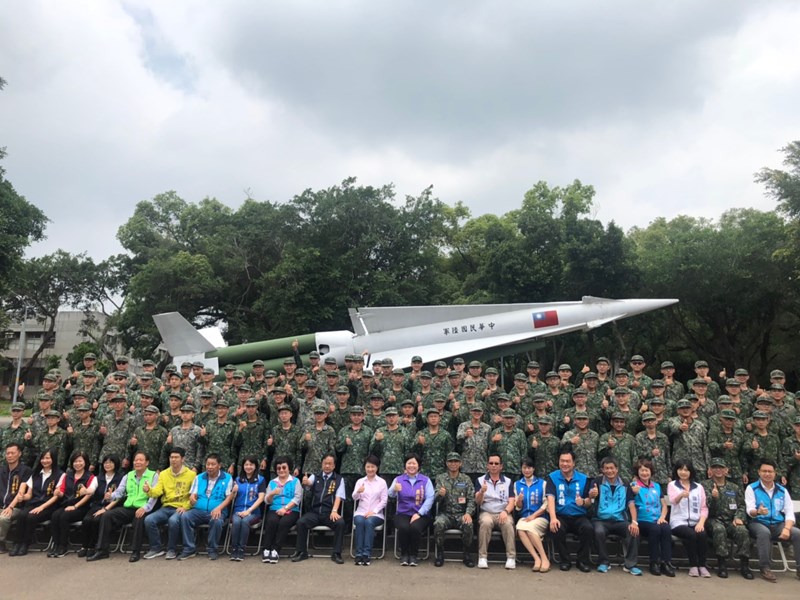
(502, 373)
(21, 353)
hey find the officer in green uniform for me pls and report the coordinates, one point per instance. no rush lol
(726, 518)
(455, 497)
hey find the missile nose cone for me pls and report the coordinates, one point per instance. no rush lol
(635, 306)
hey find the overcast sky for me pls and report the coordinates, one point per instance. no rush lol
(666, 108)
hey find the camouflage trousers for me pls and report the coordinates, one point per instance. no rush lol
(444, 522)
(729, 540)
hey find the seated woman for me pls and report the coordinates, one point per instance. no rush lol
(688, 516)
(251, 489)
(651, 512)
(371, 494)
(533, 523)
(283, 497)
(40, 499)
(107, 482)
(415, 496)
(75, 488)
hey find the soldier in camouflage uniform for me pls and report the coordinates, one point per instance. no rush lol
(461, 409)
(557, 399)
(340, 417)
(150, 438)
(689, 438)
(455, 495)
(187, 436)
(585, 443)
(725, 441)
(373, 417)
(639, 382)
(14, 433)
(657, 396)
(623, 403)
(219, 437)
(205, 413)
(286, 440)
(580, 401)
(654, 445)
(174, 389)
(790, 452)
(391, 443)
(116, 429)
(84, 437)
(397, 391)
(318, 440)
(305, 408)
(352, 445)
(726, 520)
(595, 393)
(433, 444)
(545, 446)
(535, 385)
(674, 389)
(759, 444)
(408, 420)
(539, 410)
(447, 421)
(472, 440)
(701, 372)
(252, 434)
(620, 445)
(52, 437)
(510, 444)
(423, 394)
(521, 397)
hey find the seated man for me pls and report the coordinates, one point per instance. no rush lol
(456, 497)
(327, 496)
(135, 506)
(210, 495)
(13, 475)
(173, 487)
(495, 499)
(772, 518)
(567, 492)
(614, 500)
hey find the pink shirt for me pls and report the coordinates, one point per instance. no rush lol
(373, 498)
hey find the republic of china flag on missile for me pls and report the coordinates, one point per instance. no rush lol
(545, 318)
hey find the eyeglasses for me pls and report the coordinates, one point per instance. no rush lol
(494, 463)
(281, 467)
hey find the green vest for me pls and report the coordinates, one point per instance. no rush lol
(135, 496)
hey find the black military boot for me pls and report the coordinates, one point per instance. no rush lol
(744, 568)
(439, 553)
(722, 567)
(468, 560)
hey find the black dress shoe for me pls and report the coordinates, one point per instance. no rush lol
(134, 557)
(337, 558)
(655, 569)
(565, 566)
(439, 562)
(582, 567)
(99, 555)
(298, 556)
(83, 552)
(744, 569)
(468, 561)
(15, 550)
(667, 569)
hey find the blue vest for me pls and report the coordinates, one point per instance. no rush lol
(566, 491)
(281, 500)
(247, 494)
(532, 496)
(648, 502)
(774, 504)
(217, 496)
(611, 501)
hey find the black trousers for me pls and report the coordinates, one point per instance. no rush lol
(90, 526)
(409, 534)
(276, 529)
(310, 520)
(696, 544)
(116, 518)
(28, 522)
(60, 522)
(580, 526)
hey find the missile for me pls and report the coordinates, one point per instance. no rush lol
(400, 332)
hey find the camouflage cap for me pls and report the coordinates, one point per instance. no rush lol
(777, 373)
(221, 402)
(18, 406)
(122, 359)
(186, 365)
(319, 407)
(621, 372)
(534, 365)
(270, 373)
(502, 397)
(724, 399)
(440, 364)
(398, 372)
(407, 402)
(700, 363)
(475, 364)
(684, 403)
(388, 361)
(284, 407)
(85, 395)
(552, 375)
(342, 389)
(390, 411)
(148, 363)
(439, 398)
(188, 407)
(52, 413)
(416, 359)
(357, 409)
(458, 361)
(198, 363)
(539, 397)
(764, 400)
(177, 395)
(369, 373)
(431, 411)
(278, 390)
(520, 377)
(637, 358)
(48, 397)
(377, 362)
(508, 413)
(331, 374)
(313, 354)
(152, 409)
(581, 415)
(564, 367)
(90, 373)
(545, 420)
(656, 400)
(492, 371)
(84, 407)
(147, 394)
(602, 359)
(470, 384)
(741, 372)
(244, 388)
(258, 363)
(658, 383)
(206, 394)
(621, 391)
(649, 416)
(288, 361)
(170, 368)
(426, 375)
(667, 364)
(301, 371)
(727, 413)
(617, 416)
(777, 387)
(118, 398)
(312, 383)
(330, 360)
(579, 391)
(454, 374)
(718, 461)
(701, 382)
(691, 397)
(146, 376)
(376, 395)
(760, 414)
(229, 367)
(476, 407)
(453, 456)
(591, 375)
(50, 377)
(251, 402)
(731, 382)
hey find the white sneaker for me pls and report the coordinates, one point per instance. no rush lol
(483, 563)
(274, 557)
(265, 556)
(511, 563)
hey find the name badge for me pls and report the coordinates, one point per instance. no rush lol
(462, 500)
(732, 506)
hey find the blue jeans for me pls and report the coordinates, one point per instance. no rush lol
(365, 533)
(164, 515)
(191, 520)
(240, 529)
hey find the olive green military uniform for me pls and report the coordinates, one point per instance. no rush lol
(458, 501)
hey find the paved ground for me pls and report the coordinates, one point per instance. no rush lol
(36, 576)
